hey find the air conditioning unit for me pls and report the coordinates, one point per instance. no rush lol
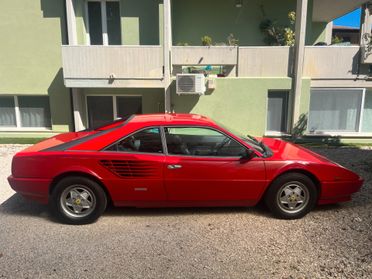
(190, 84)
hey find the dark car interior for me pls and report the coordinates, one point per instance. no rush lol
(149, 141)
(203, 145)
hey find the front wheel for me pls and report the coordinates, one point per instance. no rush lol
(291, 196)
(78, 200)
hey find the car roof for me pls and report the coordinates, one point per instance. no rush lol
(171, 119)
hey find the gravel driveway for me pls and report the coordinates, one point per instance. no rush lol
(331, 242)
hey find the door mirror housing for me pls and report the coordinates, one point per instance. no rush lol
(248, 155)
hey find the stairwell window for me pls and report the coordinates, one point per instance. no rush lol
(277, 112)
(24, 113)
(103, 22)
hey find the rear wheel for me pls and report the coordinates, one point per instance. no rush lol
(78, 200)
(291, 196)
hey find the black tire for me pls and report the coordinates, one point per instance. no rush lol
(282, 205)
(80, 190)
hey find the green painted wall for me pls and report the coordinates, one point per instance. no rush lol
(31, 35)
(240, 103)
(141, 21)
(319, 31)
(152, 98)
(193, 19)
(81, 29)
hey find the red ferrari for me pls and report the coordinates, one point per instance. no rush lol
(175, 160)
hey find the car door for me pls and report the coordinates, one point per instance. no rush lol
(134, 167)
(203, 164)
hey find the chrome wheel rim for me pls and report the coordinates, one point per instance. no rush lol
(293, 197)
(78, 201)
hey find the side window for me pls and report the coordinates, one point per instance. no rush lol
(147, 141)
(195, 141)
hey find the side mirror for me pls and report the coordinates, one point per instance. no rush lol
(248, 155)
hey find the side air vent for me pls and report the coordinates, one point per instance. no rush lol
(131, 168)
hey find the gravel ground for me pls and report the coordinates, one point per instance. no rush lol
(331, 242)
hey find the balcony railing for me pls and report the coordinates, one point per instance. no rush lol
(265, 61)
(112, 66)
(142, 66)
(333, 62)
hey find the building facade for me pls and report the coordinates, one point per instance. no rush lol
(73, 64)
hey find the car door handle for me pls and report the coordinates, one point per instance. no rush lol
(173, 167)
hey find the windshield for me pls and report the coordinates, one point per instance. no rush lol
(247, 138)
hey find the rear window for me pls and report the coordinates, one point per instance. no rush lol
(112, 125)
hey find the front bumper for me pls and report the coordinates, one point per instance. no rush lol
(33, 188)
(339, 191)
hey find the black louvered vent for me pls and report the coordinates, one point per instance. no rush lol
(131, 168)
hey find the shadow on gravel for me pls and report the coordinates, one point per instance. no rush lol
(17, 205)
(180, 211)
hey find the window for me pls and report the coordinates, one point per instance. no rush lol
(335, 110)
(25, 112)
(277, 111)
(194, 141)
(146, 141)
(7, 112)
(104, 23)
(34, 111)
(95, 23)
(104, 109)
(128, 105)
(100, 110)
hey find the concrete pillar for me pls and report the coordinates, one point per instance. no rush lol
(77, 110)
(366, 22)
(167, 48)
(329, 31)
(71, 22)
(299, 52)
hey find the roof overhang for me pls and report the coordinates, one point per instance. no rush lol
(328, 10)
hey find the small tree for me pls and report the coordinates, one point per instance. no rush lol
(206, 40)
(278, 35)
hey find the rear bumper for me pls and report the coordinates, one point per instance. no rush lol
(339, 191)
(33, 188)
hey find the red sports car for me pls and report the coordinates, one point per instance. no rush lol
(175, 160)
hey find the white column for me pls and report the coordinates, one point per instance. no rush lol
(71, 22)
(301, 20)
(167, 48)
(365, 23)
(329, 31)
(77, 109)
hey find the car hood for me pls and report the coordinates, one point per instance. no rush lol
(286, 151)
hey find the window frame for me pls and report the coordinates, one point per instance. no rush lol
(114, 104)
(161, 132)
(105, 39)
(359, 125)
(18, 126)
(202, 127)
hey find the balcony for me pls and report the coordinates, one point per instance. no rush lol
(113, 66)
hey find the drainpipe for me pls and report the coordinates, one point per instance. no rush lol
(299, 53)
(167, 45)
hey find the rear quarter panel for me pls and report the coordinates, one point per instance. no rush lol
(51, 165)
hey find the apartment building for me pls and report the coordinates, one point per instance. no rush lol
(74, 64)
